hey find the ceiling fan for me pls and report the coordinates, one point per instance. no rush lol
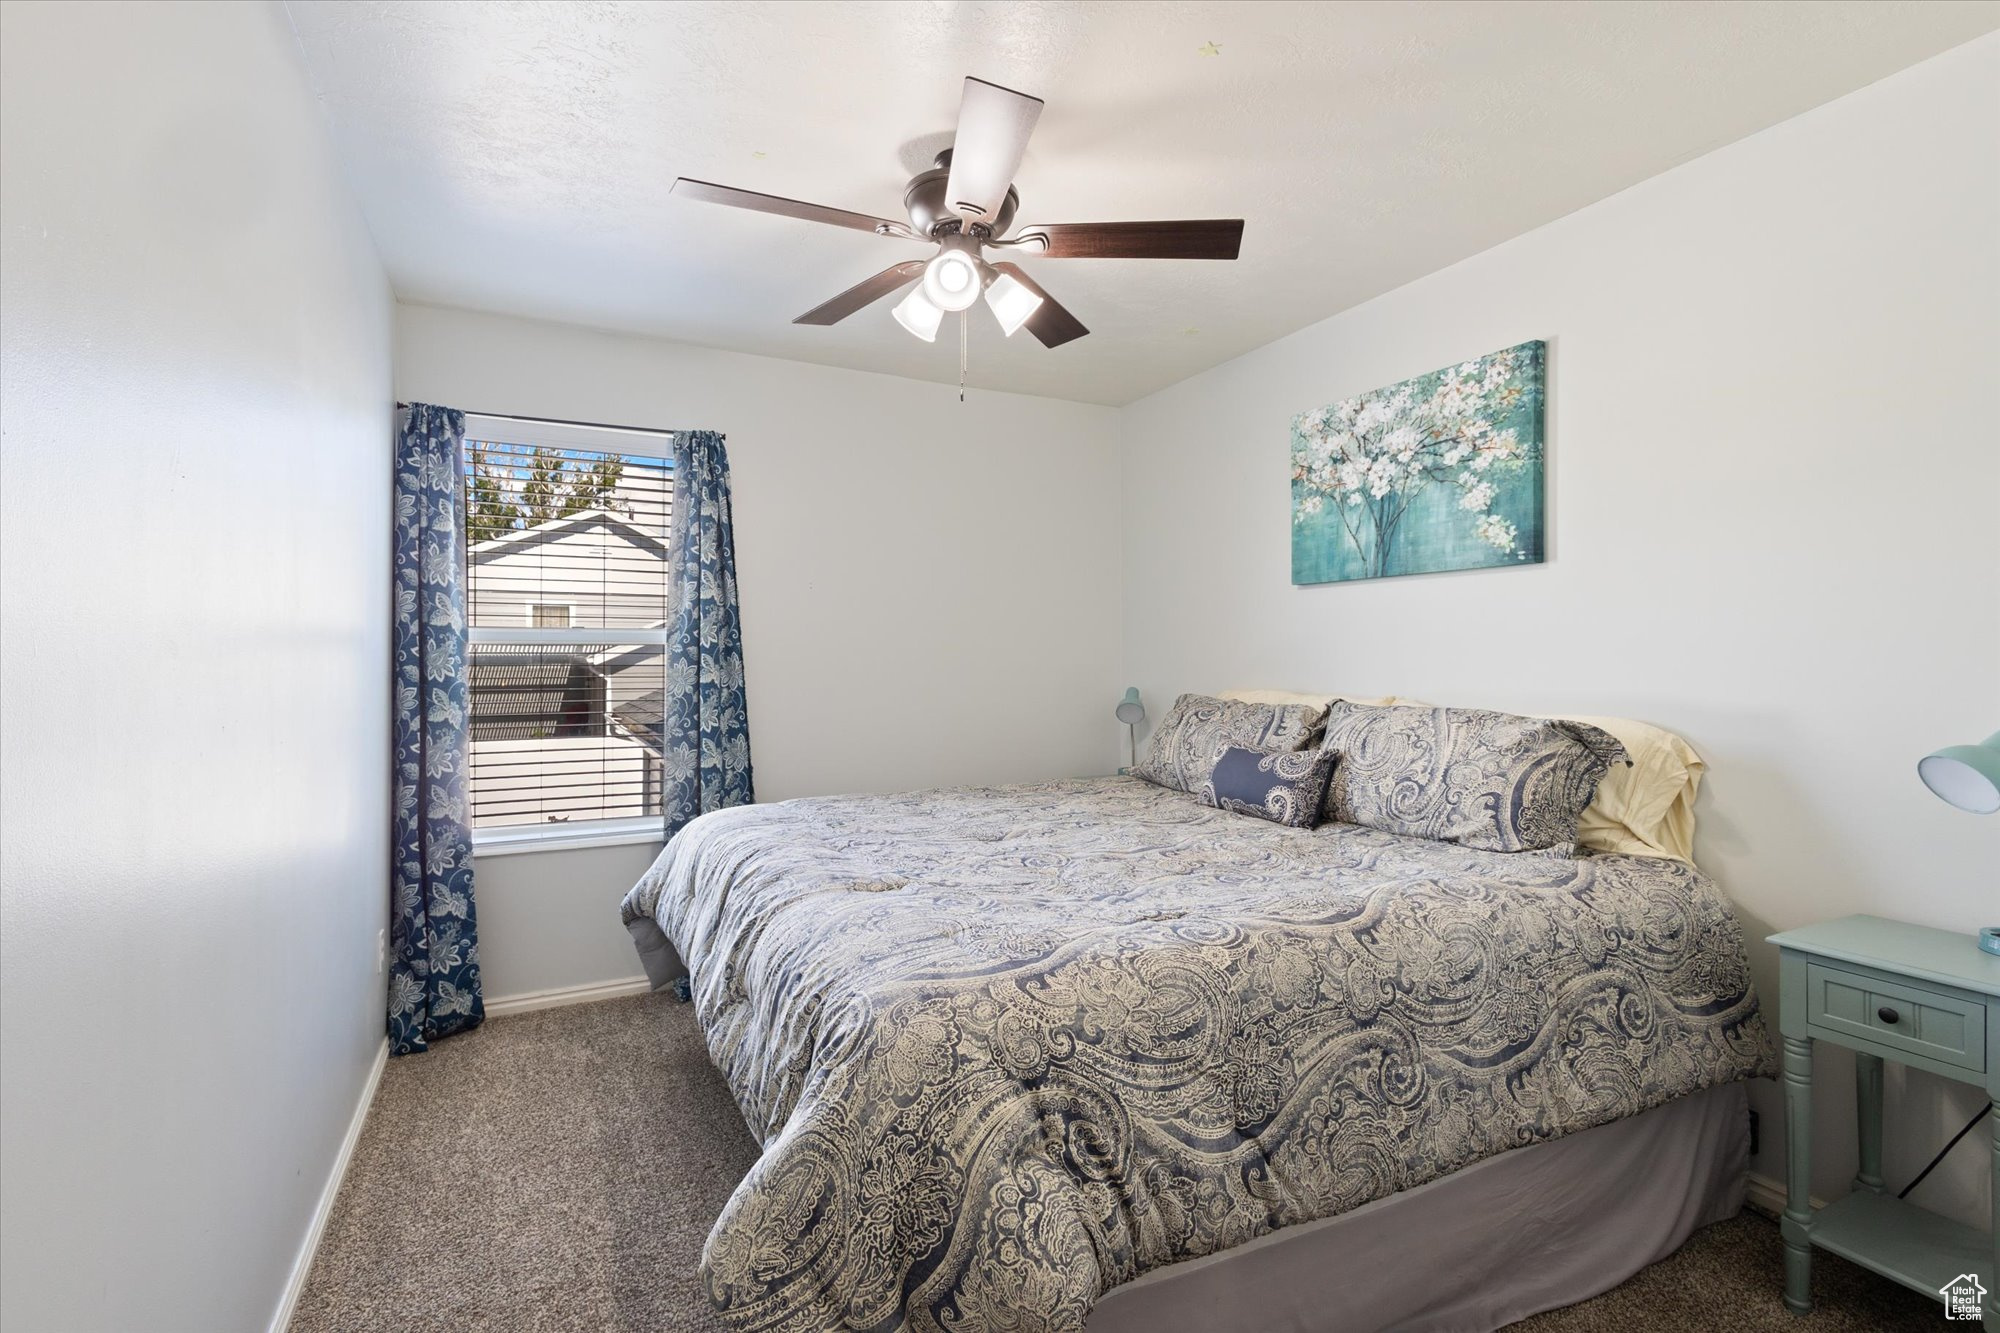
(964, 205)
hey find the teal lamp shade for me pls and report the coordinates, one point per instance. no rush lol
(1967, 776)
(1130, 711)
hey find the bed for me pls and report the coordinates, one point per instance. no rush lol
(1010, 1049)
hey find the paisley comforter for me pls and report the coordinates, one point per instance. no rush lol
(1006, 1048)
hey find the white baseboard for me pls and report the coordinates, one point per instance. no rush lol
(302, 1265)
(550, 999)
(1768, 1196)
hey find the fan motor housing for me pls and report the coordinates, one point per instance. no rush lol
(925, 201)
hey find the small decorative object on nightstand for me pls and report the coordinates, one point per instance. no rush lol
(1131, 712)
(1886, 990)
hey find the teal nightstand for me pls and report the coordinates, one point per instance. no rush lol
(1886, 990)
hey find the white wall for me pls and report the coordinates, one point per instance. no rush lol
(929, 588)
(549, 920)
(195, 441)
(1774, 463)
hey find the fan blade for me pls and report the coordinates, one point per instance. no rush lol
(1050, 322)
(866, 292)
(711, 193)
(1218, 238)
(993, 128)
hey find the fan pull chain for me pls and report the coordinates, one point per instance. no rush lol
(961, 356)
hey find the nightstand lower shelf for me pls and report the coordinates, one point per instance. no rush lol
(1903, 1242)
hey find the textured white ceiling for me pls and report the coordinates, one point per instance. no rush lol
(516, 157)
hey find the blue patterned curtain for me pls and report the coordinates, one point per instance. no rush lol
(708, 723)
(434, 951)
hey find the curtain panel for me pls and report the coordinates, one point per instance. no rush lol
(707, 720)
(433, 939)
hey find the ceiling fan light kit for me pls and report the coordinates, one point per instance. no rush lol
(918, 315)
(964, 206)
(952, 280)
(1010, 302)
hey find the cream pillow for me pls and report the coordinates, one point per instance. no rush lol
(1645, 809)
(1648, 808)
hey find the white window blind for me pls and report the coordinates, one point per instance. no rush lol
(566, 595)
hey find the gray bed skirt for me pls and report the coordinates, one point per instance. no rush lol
(656, 953)
(1526, 1231)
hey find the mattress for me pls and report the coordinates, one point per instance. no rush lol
(1008, 1048)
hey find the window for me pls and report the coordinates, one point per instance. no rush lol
(566, 593)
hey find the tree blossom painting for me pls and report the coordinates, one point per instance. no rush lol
(1439, 472)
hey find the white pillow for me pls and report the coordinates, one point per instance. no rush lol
(1646, 809)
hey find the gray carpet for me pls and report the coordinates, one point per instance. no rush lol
(560, 1170)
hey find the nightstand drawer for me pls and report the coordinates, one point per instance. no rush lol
(1894, 1015)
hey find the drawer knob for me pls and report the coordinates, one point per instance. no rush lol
(1888, 1015)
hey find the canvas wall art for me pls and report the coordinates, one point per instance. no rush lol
(1439, 472)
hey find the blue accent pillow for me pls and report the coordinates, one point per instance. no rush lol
(1284, 786)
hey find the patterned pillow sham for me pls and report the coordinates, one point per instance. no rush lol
(1284, 786)
(1494, 781)
(1183, 750)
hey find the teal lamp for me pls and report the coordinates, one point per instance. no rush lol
(1968, 776)
(1131, 712)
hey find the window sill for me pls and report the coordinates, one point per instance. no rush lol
(564, 838)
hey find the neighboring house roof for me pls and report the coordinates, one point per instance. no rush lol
(645, 716)
(528, 692)
(502, 656)
(523, 540)
(613, 660)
